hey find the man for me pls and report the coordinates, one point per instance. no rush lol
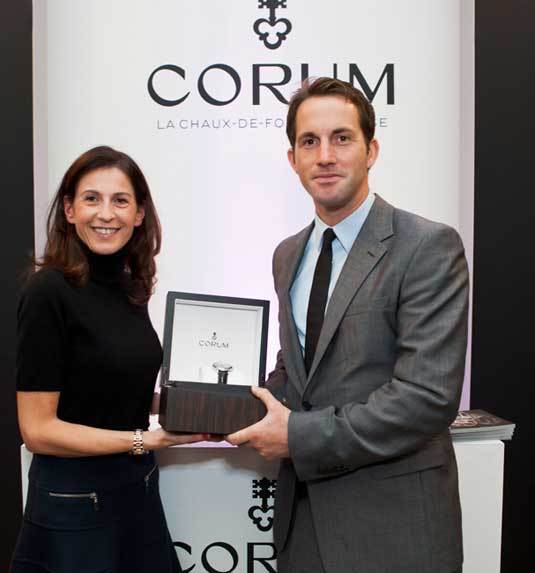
(373, 321)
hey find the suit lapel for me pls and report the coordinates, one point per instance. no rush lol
(367, 251)
(291, 348)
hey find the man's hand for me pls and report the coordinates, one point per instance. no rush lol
(269, 436)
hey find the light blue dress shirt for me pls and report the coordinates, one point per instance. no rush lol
(346, 232)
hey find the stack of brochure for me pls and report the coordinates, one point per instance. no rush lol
(480, 425)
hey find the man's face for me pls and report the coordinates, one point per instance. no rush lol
(331, 157)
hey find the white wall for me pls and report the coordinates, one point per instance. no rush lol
(226, 196)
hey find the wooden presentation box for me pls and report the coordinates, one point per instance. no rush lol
(214, 351)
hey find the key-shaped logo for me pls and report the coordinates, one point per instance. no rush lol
(272, 31)
(262, 515)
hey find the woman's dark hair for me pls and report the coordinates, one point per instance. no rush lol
(64, 250)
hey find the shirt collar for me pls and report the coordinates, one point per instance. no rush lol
(347, 229)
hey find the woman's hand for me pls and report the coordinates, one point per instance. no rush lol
(158, 439)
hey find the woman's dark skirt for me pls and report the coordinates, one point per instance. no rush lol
(94, 515)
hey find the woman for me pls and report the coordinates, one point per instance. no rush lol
(86, 367)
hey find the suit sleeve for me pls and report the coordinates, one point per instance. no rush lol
(276, 381)
(422, 398)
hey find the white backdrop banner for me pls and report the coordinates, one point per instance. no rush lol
(196, 92)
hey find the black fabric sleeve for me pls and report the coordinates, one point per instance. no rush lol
(41, 334)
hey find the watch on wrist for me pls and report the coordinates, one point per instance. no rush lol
(137, 444)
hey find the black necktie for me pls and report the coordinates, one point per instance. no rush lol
(318, 297)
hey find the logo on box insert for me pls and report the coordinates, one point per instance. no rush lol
(214, 342)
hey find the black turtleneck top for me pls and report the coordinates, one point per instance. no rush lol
(89, 343)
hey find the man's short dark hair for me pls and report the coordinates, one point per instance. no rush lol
(331, 87)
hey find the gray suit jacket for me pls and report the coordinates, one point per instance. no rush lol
(368, 432)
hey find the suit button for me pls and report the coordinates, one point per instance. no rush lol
(307, 405)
